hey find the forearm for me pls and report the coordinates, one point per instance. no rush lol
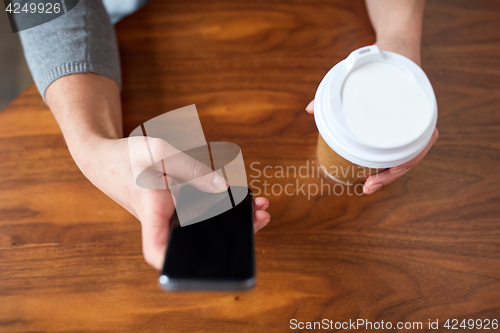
(398, 25)
(87, 108)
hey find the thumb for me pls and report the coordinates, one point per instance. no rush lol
(155, 215)
(179, 165)
(310, 107)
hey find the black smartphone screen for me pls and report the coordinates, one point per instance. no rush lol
(217, 252)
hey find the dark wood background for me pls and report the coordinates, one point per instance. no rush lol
(425, 247)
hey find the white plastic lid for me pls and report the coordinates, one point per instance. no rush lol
(376, 108)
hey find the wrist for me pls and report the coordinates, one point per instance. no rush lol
(87, 152)
(408, 46)
(88, 110)
(398, 25)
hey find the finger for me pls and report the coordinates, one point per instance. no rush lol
(375, 182)
(184, 167)
(194, 173)
(261, 219)
(173, 187)
(155, 220)
(154, 244)
(197, 204)
(400, 168)
(260, 203)
(310, 107)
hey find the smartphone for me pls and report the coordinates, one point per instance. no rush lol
(214, 253)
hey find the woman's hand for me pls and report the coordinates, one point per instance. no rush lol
(398, 28)
(87, 107)
(375, 182)
(109, 168)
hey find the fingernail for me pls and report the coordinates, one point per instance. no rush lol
(374, 188)
(265, 207)
(395, 171)
(219, 183)
(261, 225)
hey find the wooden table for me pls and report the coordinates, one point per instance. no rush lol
(425, 247)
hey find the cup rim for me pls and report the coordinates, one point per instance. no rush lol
(341, 139)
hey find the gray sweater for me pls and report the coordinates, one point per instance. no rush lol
(80, 41)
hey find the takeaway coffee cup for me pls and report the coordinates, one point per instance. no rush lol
(374, 110)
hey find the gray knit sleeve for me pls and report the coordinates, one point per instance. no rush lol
(80, 41)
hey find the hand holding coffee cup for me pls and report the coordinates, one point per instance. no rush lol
(376, 114)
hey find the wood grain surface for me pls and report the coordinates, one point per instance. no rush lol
(425, 247)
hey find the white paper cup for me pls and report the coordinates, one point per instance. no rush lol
(374, 110)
